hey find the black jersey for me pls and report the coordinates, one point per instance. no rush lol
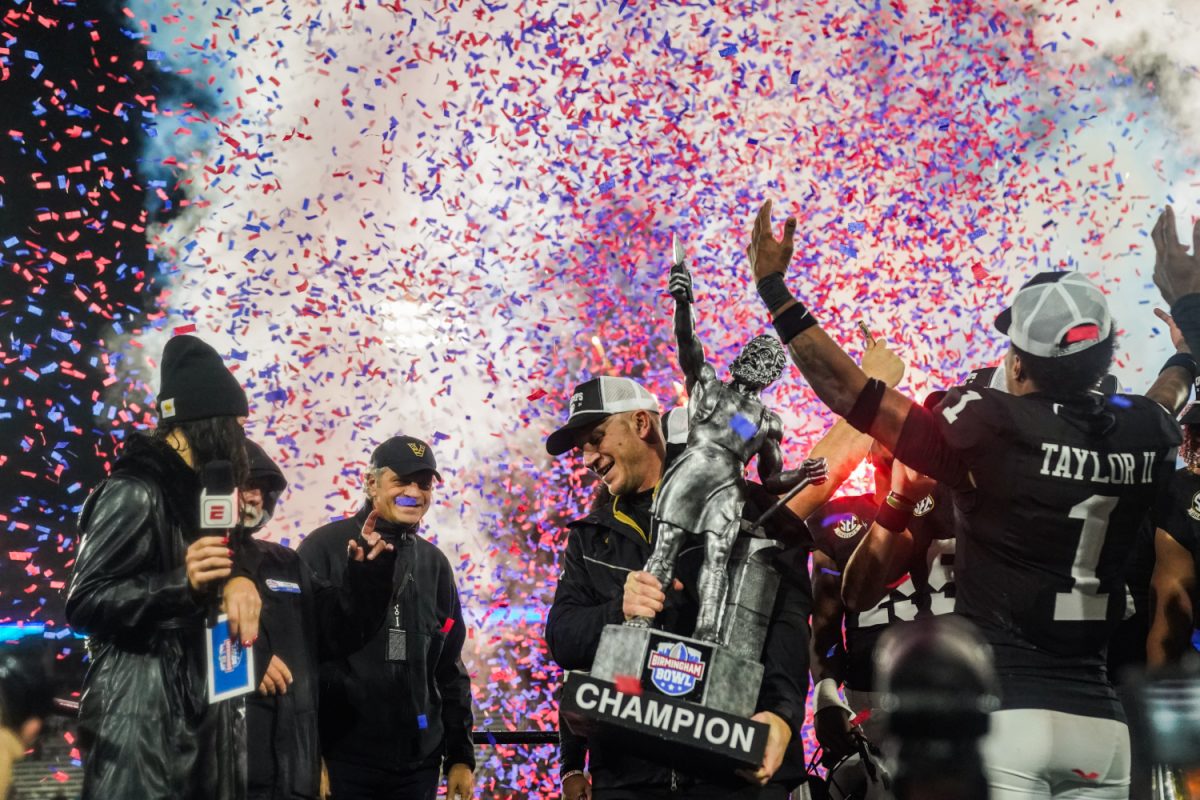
(1178, 512)
(926, 588)
(1053, 491)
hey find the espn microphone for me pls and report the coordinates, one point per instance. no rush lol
(219, 510)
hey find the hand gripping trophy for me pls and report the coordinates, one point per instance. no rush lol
(703, 490)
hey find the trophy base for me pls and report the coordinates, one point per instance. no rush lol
(680, 701)
(677, 733)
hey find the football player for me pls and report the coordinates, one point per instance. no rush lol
(1052, 479)
(1176, 546)
(864, 593)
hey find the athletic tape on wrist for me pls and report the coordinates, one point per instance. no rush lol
(892, 518)
(774, 291)
(826, 694)
(1186, 313)
(793, 322)
(1184, 360)
(900, 502)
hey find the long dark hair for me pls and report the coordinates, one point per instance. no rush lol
(212, 439)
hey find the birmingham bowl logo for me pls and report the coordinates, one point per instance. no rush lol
(675, 668)
(229, 656)
(1194, 511)
(924, 506)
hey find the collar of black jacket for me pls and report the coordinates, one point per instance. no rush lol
(629, 515)
(390, 531)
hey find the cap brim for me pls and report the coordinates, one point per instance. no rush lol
(405, 472)
(563, 439)
(1004, 320)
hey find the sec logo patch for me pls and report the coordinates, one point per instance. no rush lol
(848, 528)
(1194, 511)
(924, 507)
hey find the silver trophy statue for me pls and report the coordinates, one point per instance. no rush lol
(687, 700)
(704, 489)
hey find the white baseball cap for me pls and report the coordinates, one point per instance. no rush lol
(1056, 314)
(596, 399)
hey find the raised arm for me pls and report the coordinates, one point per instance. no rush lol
(1174, 382)
(691, 351)
(833, 375)
(884, 553)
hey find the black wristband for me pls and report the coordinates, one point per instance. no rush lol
(866, 405)
(892, 518)
(774, 291)
(1186, 313)
(1183, 360)
(793, 322)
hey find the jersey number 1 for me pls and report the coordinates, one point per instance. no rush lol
(1085, 602)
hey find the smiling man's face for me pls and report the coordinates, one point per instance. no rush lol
(403, 500)
(617, 450)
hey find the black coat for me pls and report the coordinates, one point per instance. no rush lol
(392, 716)
(602, 548)
(145, 723)
(305, 620)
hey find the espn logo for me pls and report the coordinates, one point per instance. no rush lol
(218, 511)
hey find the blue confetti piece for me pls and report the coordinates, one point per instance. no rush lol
(422, 722)
(743, 427)
(729, 50)
(407, 502)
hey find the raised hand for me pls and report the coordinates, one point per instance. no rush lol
(767, 254)
(375, 542)
(1176, 272)
(680, 284)
(882, 364)
(1177, 341)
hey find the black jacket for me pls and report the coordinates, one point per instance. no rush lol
(397, 716)
(145, 722)
(602, 548)
(305, 620)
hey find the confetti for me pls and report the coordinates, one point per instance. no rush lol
(436, 222)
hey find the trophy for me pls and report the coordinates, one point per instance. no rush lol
(687, 700)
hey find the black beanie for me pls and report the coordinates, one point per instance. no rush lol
(196, 383)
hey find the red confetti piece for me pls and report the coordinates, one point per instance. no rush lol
(628, 684)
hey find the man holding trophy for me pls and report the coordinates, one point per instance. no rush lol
(690, 661)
